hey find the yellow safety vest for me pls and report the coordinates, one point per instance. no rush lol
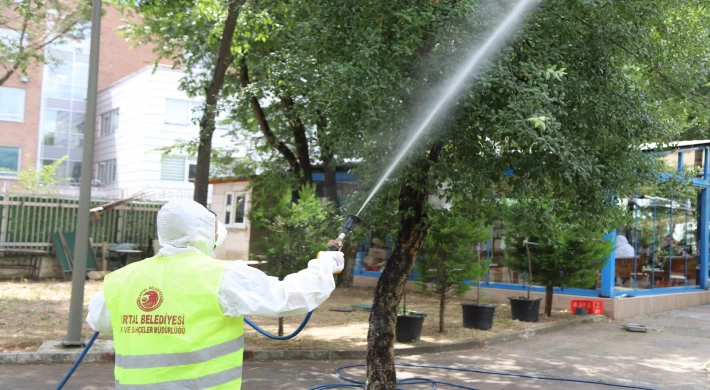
(168, 329)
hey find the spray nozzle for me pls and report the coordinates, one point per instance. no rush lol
(337, 244)
(350, 223)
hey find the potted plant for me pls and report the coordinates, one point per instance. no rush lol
(477, 315)
(564, 253)
(409, 324)
(449, 262)
(523, 308)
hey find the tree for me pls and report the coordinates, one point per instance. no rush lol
(42, 181)
(559, 107)
(300, 88)
(561, 252)
(206, 57)
(296, 229)
(30, 26)
(448, 259)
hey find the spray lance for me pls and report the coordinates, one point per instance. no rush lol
(337, 244)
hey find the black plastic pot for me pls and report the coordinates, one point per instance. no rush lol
(409, 328)
(478, 316)
(523, 309)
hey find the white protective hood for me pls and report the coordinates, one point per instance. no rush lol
(186, 227)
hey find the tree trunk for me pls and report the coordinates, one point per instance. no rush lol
(207, 122)
(347, 277)
(281, 326)
(301, 141)
(381, 374)
(331, 181)
(443, 283)
(442, 307)
(548, 300)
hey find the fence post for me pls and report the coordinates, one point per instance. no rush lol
(119, 229)
(4, 218)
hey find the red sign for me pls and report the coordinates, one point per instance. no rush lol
(150, 299)
(593, 307)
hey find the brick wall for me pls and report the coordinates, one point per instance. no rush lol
(117, 59)
(24, 134)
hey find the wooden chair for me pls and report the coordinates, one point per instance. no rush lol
(625, 269)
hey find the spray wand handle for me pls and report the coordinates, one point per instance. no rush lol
(337, 244)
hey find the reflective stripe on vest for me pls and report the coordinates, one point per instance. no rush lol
(179, 359)
(169, 330)
(205, 382)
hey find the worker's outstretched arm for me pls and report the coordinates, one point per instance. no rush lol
(248, 291)
(99, 318)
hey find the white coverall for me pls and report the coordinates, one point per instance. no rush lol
(188, 227)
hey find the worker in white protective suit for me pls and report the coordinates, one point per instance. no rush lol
(177, 319)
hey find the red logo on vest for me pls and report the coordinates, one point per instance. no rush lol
(150, 299)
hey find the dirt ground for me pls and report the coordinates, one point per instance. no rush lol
(32, 312)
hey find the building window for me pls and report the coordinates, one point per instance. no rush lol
(178, 169)
(10, 39)
(9, 161)
(177, 112)
(173, 169)
(185, 112)
(235, 208)
(191, 171)
(107, 172)
(109, 122)
(12, 104)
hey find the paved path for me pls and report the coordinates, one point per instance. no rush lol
(670, 356)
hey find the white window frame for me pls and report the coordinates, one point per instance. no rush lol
(21, 117)
(190, 161)
(13, 175)
(191, 114)
(109, 122)
(230, 208)
(109, 171)
(187, 161)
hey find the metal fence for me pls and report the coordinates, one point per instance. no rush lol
(27, 221)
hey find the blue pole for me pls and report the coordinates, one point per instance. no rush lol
(653, 246)
(636, 236)
(609, 270)
(685, 251)
(704, 216)
(671, 229)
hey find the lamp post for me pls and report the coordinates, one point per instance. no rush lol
(76, 309)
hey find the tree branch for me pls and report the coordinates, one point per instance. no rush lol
(264, 124)
(329, 173)
(300, 139)
(20, 50)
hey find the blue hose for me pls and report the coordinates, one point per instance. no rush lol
(354, 383)
(78, 361)
(275, 337)
(248, 321)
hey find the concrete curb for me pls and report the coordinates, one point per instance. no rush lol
(261, 355)
(51, 353)
(106, 354)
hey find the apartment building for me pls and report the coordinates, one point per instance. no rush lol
(137, 116)
(42, 116)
